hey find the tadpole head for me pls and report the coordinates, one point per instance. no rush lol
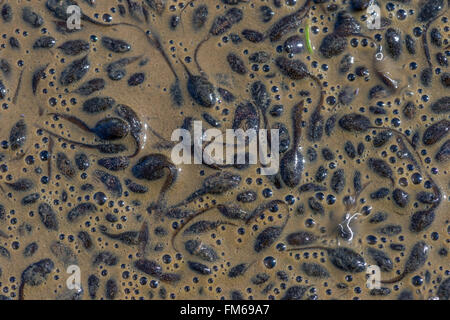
(111, 129)
(151, 167)
(202, 91)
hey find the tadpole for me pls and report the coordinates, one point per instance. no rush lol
(295, 293)
(217, 183)
(268, 236)
(114, 163)
(74, 47)
(64, 165)
(238, 270)
(201, 250)
(37, 76)
(106, 129)
(21, 185)
(151, 167)
(381, 168)
(129, 238)
(199, 227)
(343, 258)
(107, 148)
(417, 258)
(292, 162)
(18, 135)
(301, 238)
(143, 239)
(200, 89)
(115, 45)
(288, 23)
(35, 274)
(199, 268)
(262, 100)
(116, 69)
(76, 70)
(91, 86)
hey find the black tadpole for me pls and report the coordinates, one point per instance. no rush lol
(288, 23)
(135, 124)
(426, 48)
(106, 129)
(198, 227)
(218, 183)
(292, 162)
(151, 167)
(107, 148)
(200, 89)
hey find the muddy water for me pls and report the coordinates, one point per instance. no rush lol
(41, 238)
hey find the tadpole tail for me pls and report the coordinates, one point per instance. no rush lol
(98, 23)
(196, 54)
(137, 149)
(394, 280)
(189, 219)
(308, 248)
(103, 231)
(72, 119)
(266, 125)
(159, 47)
(21, 291)
(322, 93)
(19, 85)
(288, 216)
(222, 222)
(90, 146)
(160, 137)
(184, 8)
(157, 44)
(171, 177)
